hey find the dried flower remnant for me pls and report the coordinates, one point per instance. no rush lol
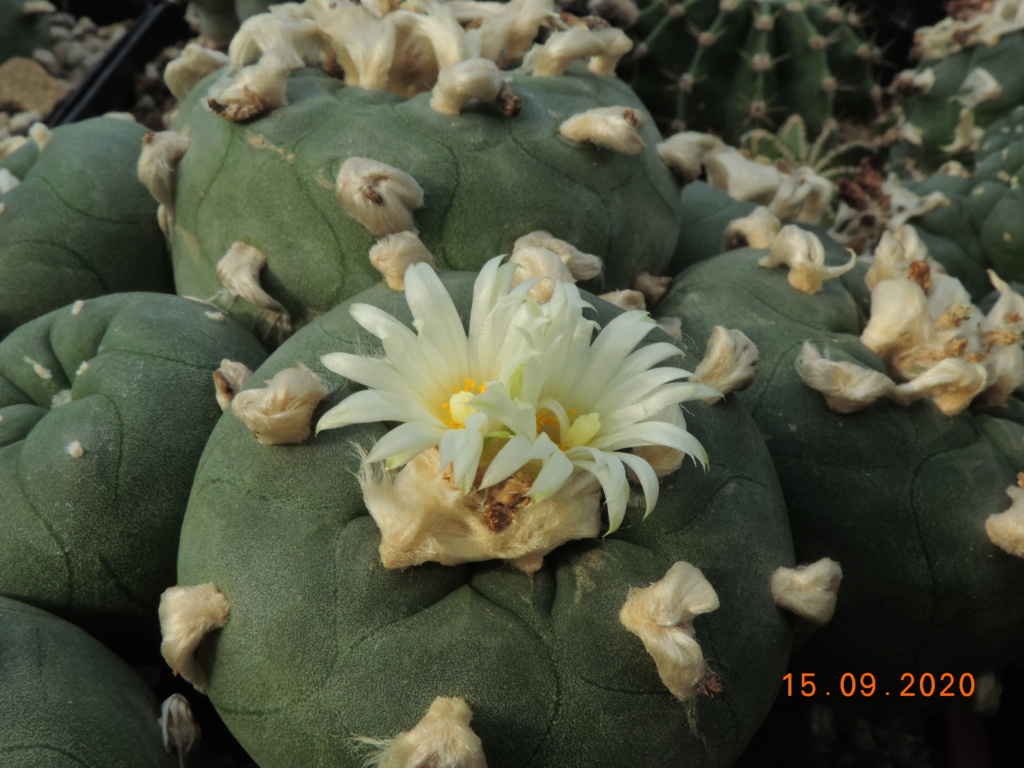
(442, 738)
(521, 411)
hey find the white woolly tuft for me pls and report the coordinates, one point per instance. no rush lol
(662, 615)
(809, 591)
(614, 128)
(239, 272)
(442, 739)
(194, 63)
(394, 254)
(379, 196)
(187, 615)
(730, 361)
(1006, 529)
(282, 411)
(228, 380)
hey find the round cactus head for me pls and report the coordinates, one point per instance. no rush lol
(458, 574)
(406, 124)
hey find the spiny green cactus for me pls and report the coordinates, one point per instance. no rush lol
(552, 674)
(332, 166)
(66, 700)
(966, 79)
(75, 222)
(910, 500)
(24, 27)
(105, 406)
(727, 66)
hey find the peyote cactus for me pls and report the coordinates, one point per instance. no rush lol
(727, 66)
(331, 167)
(910, 496)
(75, 222)
(105, 406)
(66, 700)
(24, 27)
(341, 628)
(965, 80)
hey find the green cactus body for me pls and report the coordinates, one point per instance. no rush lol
(105, 408)
(487, 180)
(803, 58)
(79, 223)
(899, 496)
(24, 27)
(324, 644)
(65, 700)
(965, 80)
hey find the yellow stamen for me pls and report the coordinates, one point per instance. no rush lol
(583, 430)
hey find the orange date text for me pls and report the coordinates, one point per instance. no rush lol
(848, 685)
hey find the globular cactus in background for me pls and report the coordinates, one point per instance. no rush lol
(916, 494)
(75, 222)
(578, 661)
(966, 78)
(727, 66)
(105, 406)
(67, 700)
(24, 27)
(426, 150)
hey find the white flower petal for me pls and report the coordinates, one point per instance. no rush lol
(647, 476)
(511, 458)
(405, 442)
(654, 402)
(552, 476)
(373, 405)
(652, 432)
(461, 448)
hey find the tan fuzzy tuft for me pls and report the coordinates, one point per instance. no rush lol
(394, 254)
(951, 383)
(1006, 529)
(473, 79)
(187, 615)
(157, 169)
(614, 128)
(542, 265)
(626, 299)
(253, 91)
(74, 449)
(194, 63)
(662, 615)
(800, 194)
(582, 266)
(730, 361)
(229, 380)
(442, 739)
(684, 153)
(967, 136)
(847, 387)
(239, 272)
(603, 46)
(809, 591)
(8, 181)
(381, 197)
(673, 326)
(424, 518)
(804, 254)
(758, 229)
(651, 286)
(281, 412)
(40, 134)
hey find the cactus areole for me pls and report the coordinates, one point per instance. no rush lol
(405, 123)
(657, 644)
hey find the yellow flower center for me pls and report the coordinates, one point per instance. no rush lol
(458, 408)
(582, 430)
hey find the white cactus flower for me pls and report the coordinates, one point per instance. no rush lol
(529, 391)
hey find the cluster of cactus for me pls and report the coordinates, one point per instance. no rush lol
(473, 513)
(964, 81)
(727, 67)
